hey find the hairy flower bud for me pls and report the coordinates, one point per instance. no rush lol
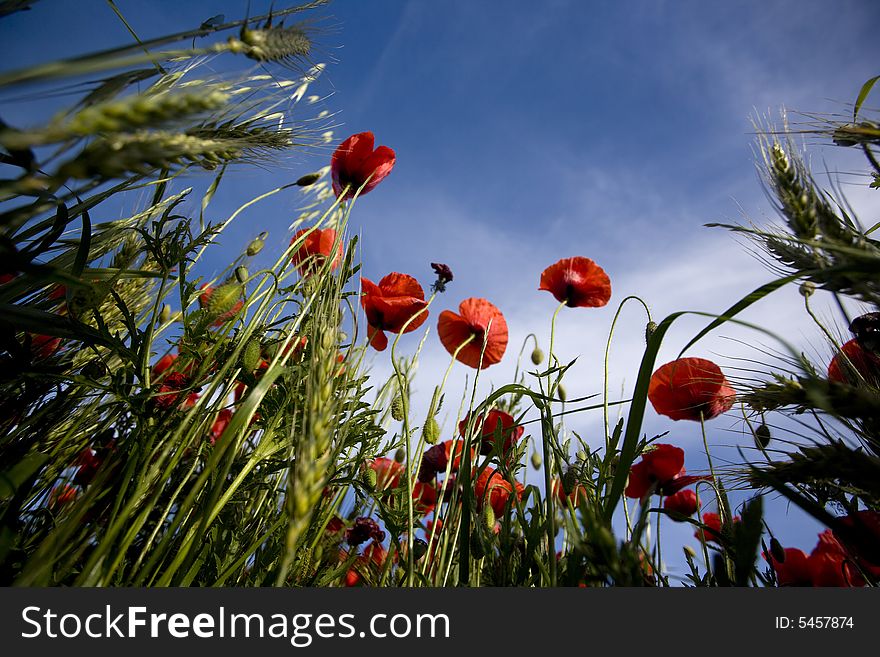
(250, 355)
(536, 460)
(222, 299)
(397, 408)
(488, 517)
(257, 244)
(241, 274)
(649, 331)
(165, 315)
(807, 289)
(400, 455)
(431, 431)
(537, 356)
(560, 390)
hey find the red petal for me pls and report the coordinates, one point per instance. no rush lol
(689, 388)
(578, 281)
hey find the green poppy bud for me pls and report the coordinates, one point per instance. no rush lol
(308, 180)
(400, 455)
(649, 331)
(488, 517)
(370, 478)
(431, 431)
(536, 460)
(241, 274)
(165, 315)
(256, 245)
(250, 355)
(223, 299)
(807, 289)
(397, 408)
(537, 356)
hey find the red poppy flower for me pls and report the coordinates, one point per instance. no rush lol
(356, 165)
(830, 565)
(388, 472)
(479, 321)
(436, 458)
(854, 364)
(433, 527)
(314, 249)
(224, 417)
(61, 496)
(794, 571)
(712, 521)
(169, 392)
(424, 498)
(392, 303)
(205, 299)
(334, 525)
(578, 281)
(578, 495)
(683, 502)
(495, 421)
(44, 346)
(163, 364)
(363, 529)
(88, 464)
(491, 487)
(664, 466)
(371, 560)
(690, 388)
(860, 534)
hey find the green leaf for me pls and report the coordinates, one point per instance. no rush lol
(738, 307)
(746, 539)
(12, 479)
(863, 94)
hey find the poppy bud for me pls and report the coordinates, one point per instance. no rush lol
(223, 299)
(241, 274)
(165, 315)
(400, 455)
(488, 517)
(256, 245)
(807, 288)
(250, 355)
(431, 431)
(477, 548)
(777, 550)
(420, 549)
(570, 481)
(560, 390)
(537, 356)
(397, 409)
(94, 369)
(762, 436)
(536, 460)
(581, 455)
(308, 180)
(689, 552)
(649, 331)
(370, 478)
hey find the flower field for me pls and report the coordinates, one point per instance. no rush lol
(266, 422)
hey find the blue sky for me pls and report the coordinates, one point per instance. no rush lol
(526, 132)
